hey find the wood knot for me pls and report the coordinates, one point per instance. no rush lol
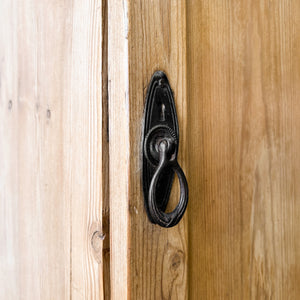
(48, 113)
(176, 261)
(97, 244)
(97, 240)
(173, 272)
(10, 104)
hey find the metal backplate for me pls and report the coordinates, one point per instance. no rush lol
(159, 110)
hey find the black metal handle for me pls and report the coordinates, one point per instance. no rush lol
(160, 217)
(160, 145)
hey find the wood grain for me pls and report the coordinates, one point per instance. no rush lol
(234, 68)
(243, 64)
(119, 148)
(51, 150)
(157, 41)
(147, 262)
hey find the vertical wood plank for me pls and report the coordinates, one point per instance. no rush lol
(158, 256)
(35, 225)
(52, 174)
(119, 147)
(87, 170)
(148, 262)
(244, 119)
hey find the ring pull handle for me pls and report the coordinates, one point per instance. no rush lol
(160, 217)
(160, 148)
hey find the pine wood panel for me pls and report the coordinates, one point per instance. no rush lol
(148, 262)
(243, 64)
(158, 256)
(234, 68)
(52, 150)
(119, 148)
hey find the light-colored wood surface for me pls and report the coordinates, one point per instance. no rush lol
(52, 150)
(119, 147)
(243, 72)
(235, 70)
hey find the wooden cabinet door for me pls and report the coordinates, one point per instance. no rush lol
(54, 241)
(73, 82)
(234, 67)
